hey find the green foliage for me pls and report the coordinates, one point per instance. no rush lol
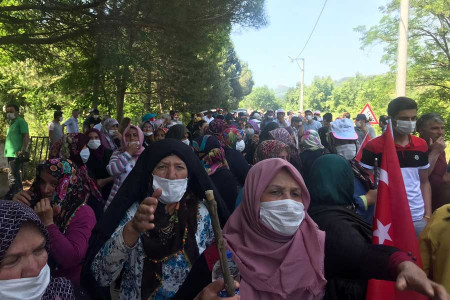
(261, 97)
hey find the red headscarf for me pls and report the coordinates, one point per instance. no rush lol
(274, 266)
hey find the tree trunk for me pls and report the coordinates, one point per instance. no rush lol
(148, 100)
(121, 88)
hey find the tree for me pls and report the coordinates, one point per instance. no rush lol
(261, 98)
(319, 93)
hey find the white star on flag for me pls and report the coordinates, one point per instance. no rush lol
(382, 232)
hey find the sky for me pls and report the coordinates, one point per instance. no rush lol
(334, 49)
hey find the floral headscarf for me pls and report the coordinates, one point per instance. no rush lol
(281, 134)
(311, 141)
(217, 126)
(270, 149)
(229, 137)
(214, 156)
(70, 193)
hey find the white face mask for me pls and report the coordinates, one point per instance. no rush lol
(283, 216)
(112, 132)
(309, 118)
(148, 133)
(405, 127)
(348, 151)
(85, 154)
(240, 145)
(94, 144)
(10, 116)
(32, 288)
(172, 189)
(96, 116)
(186, 141)
(133, 143)
(61, 119)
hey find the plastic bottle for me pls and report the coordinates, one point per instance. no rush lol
(234, 271)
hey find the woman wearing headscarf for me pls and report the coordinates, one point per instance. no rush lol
(148, 130)
(233, 144)
(24, 249)
(59, 197)
(213, 160)
(282, 134)
(216, 127)
(311, 150)
(123, 160)
(179, 132)
(110, 130)
(271, 149)
(98, 161)
(152, 232)
(282, 254)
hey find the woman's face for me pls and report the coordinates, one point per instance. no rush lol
(132, 135)
(114, 127)
(284, 155)
(283, 186)
(147, 128)
(171, 167)
(186, 136)
(93, 136)
(160, 135)
(26, 256)
(47, 184)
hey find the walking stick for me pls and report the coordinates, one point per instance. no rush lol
(212, 208)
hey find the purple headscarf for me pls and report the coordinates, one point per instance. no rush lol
(98, 153)
(274, 266)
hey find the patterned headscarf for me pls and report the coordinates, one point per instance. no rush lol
(311, 140)
(270, 149)
(281, 134)
(229, 137)
(69, 195)
(214, 157)
(12, 215)
(217, 126)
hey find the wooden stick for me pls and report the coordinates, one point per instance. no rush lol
(221, 248)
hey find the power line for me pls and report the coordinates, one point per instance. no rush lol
(314, 28)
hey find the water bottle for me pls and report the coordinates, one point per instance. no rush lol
(234, 271)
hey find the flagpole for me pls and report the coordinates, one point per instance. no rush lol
(402, 54)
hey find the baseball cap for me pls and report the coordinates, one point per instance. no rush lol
(317, 112)
(343, 129)
(361, 117)
(308, 110)
(281, 110)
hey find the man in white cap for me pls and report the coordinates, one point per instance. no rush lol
(343, 138)
(311, 124)
(280, 118)
(317, 116)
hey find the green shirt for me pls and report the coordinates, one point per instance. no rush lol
(14, 136)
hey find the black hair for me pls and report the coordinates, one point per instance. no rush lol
(328, 117)
(426, 118)
(296, 119)
(95, 111)
(57, 114)
(383, 119)
(15, 106)
(399, 104)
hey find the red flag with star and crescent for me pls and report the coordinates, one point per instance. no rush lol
(392, 224)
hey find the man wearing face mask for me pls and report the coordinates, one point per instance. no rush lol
(325, 129)
(267, 119)
(363, 128)
(55, 132)
(16, 144)
(413, 158)
(92, 120)
(343, 139)
(311, 124)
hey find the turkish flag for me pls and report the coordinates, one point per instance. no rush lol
(360, 150)
(392, 224)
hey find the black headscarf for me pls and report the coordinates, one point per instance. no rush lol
(137, 186)
(177, 132)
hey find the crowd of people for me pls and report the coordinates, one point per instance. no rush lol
(117, 210)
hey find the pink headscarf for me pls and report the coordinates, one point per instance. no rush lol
(124, 145)
(272, 265)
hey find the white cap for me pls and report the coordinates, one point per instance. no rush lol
(317, 112)
(280, 110)
(344, 129)
(257, 116)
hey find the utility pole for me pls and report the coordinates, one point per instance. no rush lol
(302, 84)
(402, 54)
